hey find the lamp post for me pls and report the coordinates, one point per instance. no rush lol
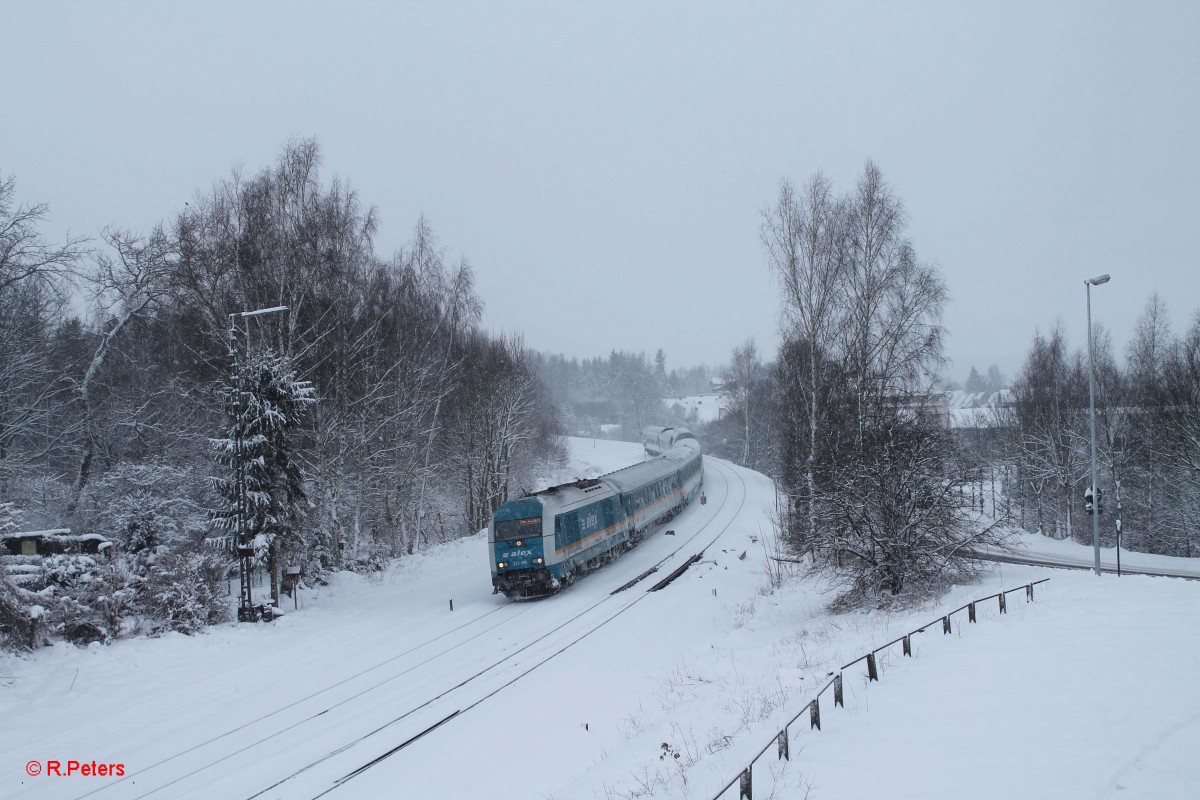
(1089, 283)
(243, 546)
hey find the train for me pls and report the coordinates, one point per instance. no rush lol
(544, 540)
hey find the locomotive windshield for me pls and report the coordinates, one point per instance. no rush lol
(509, 529)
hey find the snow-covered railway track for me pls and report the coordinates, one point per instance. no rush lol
(311, 706)
(288, 748)
(339, 768)
(1068, 562)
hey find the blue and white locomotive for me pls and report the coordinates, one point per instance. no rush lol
(543, 540)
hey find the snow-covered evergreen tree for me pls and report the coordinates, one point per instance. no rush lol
(266, 403)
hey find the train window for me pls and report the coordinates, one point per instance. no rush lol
(510, 529)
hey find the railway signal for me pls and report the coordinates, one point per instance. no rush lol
(1088, 505)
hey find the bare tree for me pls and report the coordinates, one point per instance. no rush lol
(1146, 358)
(25, 256)
(124, 284)
(1049, 397)
(1181, 445)
(1114, 428)
(745, 373)
(900, 518)
(34, 378)
(495, 416)
(862, 327)
(803, 237)
(893, 336)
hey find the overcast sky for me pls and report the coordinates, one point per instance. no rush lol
(604, 165)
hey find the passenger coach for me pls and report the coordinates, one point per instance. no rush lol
(542, 541)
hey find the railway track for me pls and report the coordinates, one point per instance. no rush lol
(706, 535)
(1065, 562)
(441, 680)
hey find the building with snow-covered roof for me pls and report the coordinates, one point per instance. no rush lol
(976, 409)
(699, 407)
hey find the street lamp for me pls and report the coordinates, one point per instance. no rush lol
(1089, 283)
(243, 546)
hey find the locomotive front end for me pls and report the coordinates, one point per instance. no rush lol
(516, 538)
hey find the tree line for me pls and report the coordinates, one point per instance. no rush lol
(872, 488)
(878, 491)
(627, 390)
(1147, 436)
(384, 419)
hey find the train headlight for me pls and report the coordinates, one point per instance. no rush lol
(501, 564)
(519, 543)
(538, 560)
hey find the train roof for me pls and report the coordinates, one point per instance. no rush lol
(621, 480)
(633, 476)
(568, 493)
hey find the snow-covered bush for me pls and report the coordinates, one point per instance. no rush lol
(18, 617)
(67, 572)
(372, 561)
(75, 620)
(142, 522)
(186, 591)
(114, 597)
(69, 580)
(147, 505)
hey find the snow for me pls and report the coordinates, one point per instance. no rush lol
(54, 533)
(700, 407)
(1067, 552)
(1088, 691)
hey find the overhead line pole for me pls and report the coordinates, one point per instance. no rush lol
(1089, 283)
(242, 544)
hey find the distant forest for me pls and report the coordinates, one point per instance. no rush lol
(619, 395)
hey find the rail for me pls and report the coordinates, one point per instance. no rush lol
(745, 778)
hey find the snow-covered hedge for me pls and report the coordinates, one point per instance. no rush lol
(186, 591)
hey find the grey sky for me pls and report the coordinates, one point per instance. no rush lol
(604, 165)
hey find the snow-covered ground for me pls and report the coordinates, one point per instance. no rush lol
(699, 407)
(1089, 691)
(1068, 553)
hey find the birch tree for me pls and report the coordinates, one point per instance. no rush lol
(745, 374)
(124, 283)
(35, 386)
(803, 239)
(863, 334)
